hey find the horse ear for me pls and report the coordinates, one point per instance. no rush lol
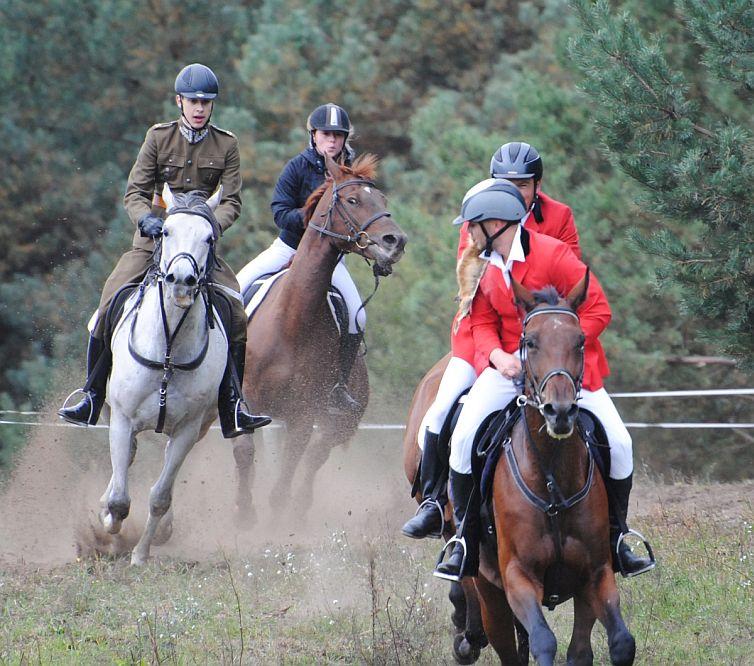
(167, 196)
(523, 295)
(331, 166)
(578, 294)
(214, 201)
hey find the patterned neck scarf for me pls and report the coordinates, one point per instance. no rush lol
(191, 135)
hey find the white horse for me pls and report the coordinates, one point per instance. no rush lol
(167, 363)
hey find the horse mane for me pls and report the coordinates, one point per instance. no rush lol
(196, 200)
(365, 167)
(547, 295)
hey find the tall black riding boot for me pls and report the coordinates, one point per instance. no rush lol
(98, 362)
(234, 421)
(627, 562)
(430, 517)
(340, 400)
(464, 560)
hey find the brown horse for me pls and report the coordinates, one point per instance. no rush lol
(292, 353)
(550, 507)
(466, 617)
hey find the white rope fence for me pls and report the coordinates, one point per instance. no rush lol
(401, 426)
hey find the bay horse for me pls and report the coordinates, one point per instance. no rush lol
(167, 362)
(550, 506)
(293, 341)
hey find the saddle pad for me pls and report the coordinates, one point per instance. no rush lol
(257, 291)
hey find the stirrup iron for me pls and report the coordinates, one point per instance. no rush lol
(441, 557)
(435, 503)
(652, 561)
(65, 406)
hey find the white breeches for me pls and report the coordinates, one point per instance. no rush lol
(279, 254)
(492, 391)
(458, 376)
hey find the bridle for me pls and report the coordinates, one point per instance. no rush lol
(535, 387)
(358, 235)
(203, 279)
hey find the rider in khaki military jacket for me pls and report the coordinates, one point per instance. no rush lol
(189, 154)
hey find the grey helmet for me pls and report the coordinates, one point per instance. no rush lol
(329, 118)
(492, 199)
(197, 81)
(516, 160)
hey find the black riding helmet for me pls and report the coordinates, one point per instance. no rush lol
(516, 160)
(197, 81)
(492, 199)
(329, 118)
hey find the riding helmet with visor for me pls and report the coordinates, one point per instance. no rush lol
(492, 199)
(516, 160)
(329, 118)
(197, 81)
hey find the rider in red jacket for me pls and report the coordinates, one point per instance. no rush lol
(535, 261)
(521, 164)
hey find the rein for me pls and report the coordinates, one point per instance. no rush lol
(167, 365)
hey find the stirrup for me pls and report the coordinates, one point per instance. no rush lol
(336, 410)
(652, 561)
(435, 503)
(452, 577)
(65, 406)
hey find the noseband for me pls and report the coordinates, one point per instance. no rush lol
(536, 387)
(358, 234)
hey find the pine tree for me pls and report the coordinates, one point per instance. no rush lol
(685, 135)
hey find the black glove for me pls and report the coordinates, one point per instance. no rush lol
(151, 225)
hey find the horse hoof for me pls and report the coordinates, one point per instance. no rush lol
(111, 525)
(138, 560)
(463, 651)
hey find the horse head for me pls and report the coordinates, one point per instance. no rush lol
(552, 353)
(351, 212)
(188, 238)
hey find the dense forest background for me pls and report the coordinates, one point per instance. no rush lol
(664, 211)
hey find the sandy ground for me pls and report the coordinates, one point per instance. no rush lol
(48, 508)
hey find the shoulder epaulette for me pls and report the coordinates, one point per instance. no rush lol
(164, 125)
(224, 131)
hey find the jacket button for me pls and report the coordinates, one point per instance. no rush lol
(211, 163)
(188, 161)
(188, 180)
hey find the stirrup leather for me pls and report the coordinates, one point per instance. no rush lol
(652, 561)
(441, 557)
(65, 406)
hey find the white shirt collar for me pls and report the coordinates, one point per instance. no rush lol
(516, 254)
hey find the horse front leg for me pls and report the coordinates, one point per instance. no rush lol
(525, 599)
(161, 493)
(497, 618)
(580, 648)
(243, 454)
(115, 502)
(605, 602)
(297, 438)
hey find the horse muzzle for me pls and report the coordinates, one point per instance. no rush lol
(386, 249)
(183, 292)
(560, 418)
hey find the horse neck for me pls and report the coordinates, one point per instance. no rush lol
(565, 459)
(310, 275)
(148, 332)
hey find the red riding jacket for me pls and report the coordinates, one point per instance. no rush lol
(496, 320)
(557, 221)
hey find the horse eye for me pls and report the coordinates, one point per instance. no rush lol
(165, 233)
(352, 200)
(531, 344)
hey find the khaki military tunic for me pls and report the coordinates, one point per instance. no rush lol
(166, 156)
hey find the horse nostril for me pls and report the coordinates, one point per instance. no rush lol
(190, 281)
(170, 278)
(389, 240)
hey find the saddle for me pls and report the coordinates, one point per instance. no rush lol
(257, 291)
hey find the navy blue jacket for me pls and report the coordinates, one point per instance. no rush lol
(299, 178)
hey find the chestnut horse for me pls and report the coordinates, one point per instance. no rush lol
(292, 353)
(550, 506)
(572, 542)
